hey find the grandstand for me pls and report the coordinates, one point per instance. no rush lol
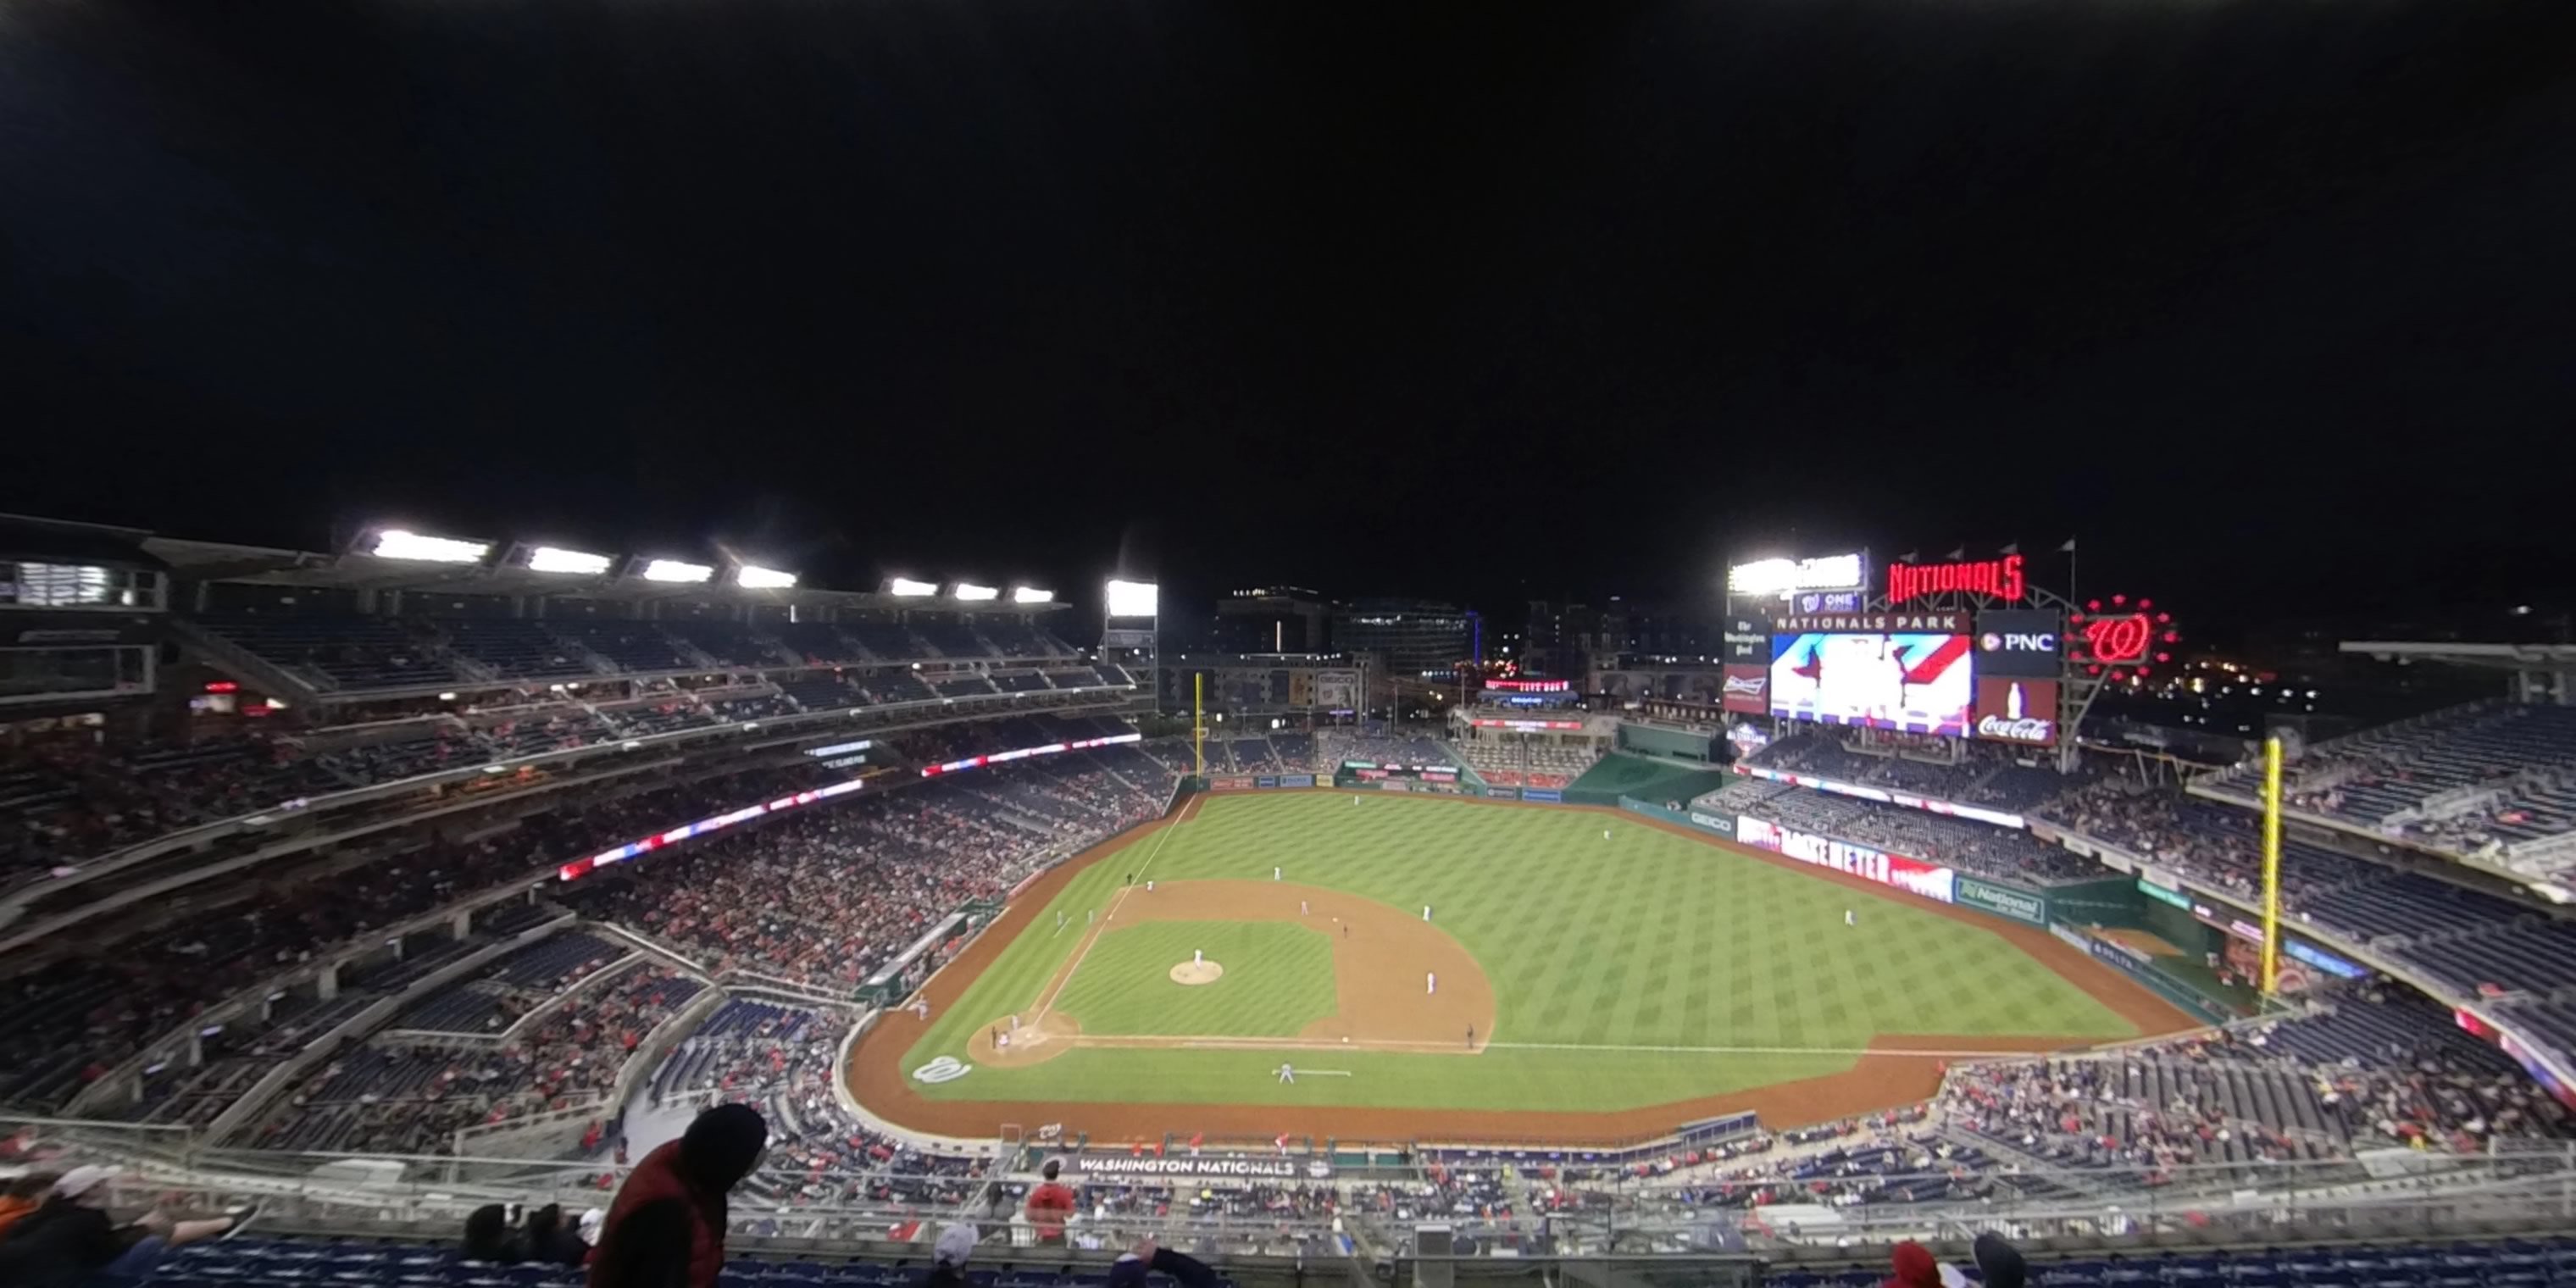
(441, 904)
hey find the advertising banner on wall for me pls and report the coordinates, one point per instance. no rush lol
(2021, 712)
(1930, 880)
(2023, 643)
(1747, 688)
(2011, 902)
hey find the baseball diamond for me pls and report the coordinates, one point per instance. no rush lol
(1586, 987)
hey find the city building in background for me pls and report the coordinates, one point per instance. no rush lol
(1411, 637)
(1272, 619)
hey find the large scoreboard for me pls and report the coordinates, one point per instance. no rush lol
(1910, 672)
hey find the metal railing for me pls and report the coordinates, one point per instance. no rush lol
(1609, 1213)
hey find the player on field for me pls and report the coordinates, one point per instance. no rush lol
(1849, 918)
(1287, 1073)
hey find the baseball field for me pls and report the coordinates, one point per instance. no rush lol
(1394, 967)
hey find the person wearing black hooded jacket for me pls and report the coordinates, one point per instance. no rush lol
(666, 1228)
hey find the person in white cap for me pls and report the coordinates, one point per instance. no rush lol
(71, 1238)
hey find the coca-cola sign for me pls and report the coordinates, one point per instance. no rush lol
(2029, 729)
(2015, 710)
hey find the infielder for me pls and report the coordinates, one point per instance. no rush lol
(1288, 1073)
(1430, 983)
(1274, 874)
(1301, 909)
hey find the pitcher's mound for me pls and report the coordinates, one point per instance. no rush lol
(1199, 972)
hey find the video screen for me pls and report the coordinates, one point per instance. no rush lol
(1908, 682)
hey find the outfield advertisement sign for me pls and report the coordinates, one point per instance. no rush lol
(1723, 824)
(1930, 880)
(1203, 1168)
(1230, 784)
(1259, 782)
(1503, 793)
(1548, 794)
(1296, 780)
(2009, 902)
(2141, 967)
(1265, 780)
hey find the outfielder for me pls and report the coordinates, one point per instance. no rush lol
(1849, 919)
(1287, 1073)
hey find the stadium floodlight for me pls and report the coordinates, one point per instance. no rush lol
(755, 577)
(394, 543)
(907, 588)
(1133, 598)
(675, 570)
(1784, 577)
(558, 559)
(1031, 595)
(972, 593)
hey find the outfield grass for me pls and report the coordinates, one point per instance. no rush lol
(1645, 942)
(1278, 979)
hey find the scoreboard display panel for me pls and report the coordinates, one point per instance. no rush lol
(1915, 683)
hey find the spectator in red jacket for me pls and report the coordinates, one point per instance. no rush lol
(1050, 1204)
(666, 1228)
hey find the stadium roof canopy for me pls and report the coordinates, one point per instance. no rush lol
(2494, 657)
(266, 566)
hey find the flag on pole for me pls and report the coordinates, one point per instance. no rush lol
(2013, 549)
(1960, 553)
(1908, 557)
(2069, 547)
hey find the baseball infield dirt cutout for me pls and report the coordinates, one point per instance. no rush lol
(1378, 951)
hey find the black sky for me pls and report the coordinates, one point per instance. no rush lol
(2270, 301)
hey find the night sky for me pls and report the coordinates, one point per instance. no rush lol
(2274, 303)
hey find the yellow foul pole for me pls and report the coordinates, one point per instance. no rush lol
(1198, 721)
(2271, 863)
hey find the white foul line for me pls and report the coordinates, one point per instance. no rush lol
(1123, 891)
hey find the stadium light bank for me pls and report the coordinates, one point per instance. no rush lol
(907, 588)
(1031, 595)
(576, 562)
(676, 571)
(398, 543)
(969, 592)
(755, 577)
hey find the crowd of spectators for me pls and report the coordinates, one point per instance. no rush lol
(827, 899)
(778, 1059)
(1950, 769)
(68, 1022)
(408, 1097)
(2471, 780)
(1982, 849)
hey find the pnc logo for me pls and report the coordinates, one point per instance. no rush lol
(2044, 642)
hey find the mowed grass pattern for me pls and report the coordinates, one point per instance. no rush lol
(1278, 979)
(1632, 948)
